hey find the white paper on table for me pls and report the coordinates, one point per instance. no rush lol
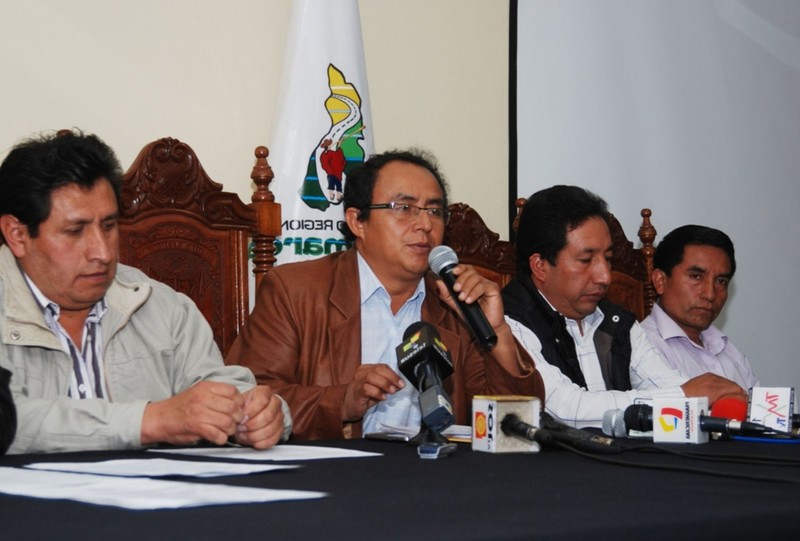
(158, 467)
(278, 453)
(136, 493)
(453, 432)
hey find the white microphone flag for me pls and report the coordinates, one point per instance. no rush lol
(323, 125)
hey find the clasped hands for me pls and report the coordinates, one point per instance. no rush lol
(215, 411)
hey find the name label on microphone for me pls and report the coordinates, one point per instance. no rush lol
(677, 420)
(772, 407)
(489, 411)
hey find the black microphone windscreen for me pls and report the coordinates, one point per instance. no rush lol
(421, 352)
(414, 328)
(639, 417)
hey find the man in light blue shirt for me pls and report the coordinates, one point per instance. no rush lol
(323, 332)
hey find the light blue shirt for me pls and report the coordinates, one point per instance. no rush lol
(381, 332)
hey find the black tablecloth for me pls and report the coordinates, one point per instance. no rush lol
(550, 495)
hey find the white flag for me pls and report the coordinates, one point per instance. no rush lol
(323, 128)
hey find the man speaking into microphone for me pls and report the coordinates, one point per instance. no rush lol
(323, 333)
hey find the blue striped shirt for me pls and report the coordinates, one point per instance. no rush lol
(87, 380)
(381, 332)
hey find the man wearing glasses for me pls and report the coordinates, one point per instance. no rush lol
(323, 333)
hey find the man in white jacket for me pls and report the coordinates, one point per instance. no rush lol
(101, 356)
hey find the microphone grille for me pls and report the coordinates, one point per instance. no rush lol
(614, 424)
(440, 257)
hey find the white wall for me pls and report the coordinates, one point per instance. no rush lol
(208, 73)
(691, 108)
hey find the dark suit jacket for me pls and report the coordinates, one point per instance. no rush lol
(303, 339)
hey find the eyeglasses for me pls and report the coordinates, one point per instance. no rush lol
(408, 212)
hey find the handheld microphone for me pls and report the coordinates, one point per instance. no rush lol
(442, 259)
(579, 439)
(424, 360)
(640, 417)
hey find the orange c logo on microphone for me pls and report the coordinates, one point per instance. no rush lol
(480, 424)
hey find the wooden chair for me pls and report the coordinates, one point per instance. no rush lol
(477, 245)
(496, 259)
(179, 227)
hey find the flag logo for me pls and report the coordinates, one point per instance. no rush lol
(339, 150)
(323, 129)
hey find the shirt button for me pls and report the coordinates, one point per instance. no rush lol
(82, 388)
(15, 335)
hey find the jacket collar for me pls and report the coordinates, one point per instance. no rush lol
(24, 323)
(346, 296)
(713, 339)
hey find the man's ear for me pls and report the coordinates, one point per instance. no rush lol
(659, 279)
(15, 234)
(539, 266)
(356, 225)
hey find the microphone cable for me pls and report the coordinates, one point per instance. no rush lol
(672, 467)
(549, 422)
(552, 428)
(765, 460)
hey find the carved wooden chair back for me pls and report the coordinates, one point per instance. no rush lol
(179, 227)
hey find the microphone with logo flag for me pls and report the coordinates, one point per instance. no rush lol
(425, 361)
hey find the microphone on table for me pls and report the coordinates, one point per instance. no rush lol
(774, 408)
(734, 408)
(730, 408)
(552, 431)
(442, 260)
(640, 417)
(512, 425)
(424, 360)
(580, 439)
(619, 423)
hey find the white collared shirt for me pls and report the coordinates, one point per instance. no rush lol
(569, 403)
(717, 354)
